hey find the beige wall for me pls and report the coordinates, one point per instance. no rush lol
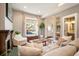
(50, 21)
(19, 18)
(17, 21)
(2, 16)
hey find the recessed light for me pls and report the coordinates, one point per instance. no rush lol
(60, 4)
(39, 11)
(25, 7)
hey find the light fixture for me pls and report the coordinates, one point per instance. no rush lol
(60, 4)
(38, 11)
(25, 7)
(49, 28)
(73, 22)
(66, 22)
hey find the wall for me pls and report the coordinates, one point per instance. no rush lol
(8, 24)
(19, 20)
(50, 22)
(2, 18)
(5, 24)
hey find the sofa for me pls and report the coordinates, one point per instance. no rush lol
(62, 51)
(70, 49)
(37, 49)
(19, 40)
(29, 51)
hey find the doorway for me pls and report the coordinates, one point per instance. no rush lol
(70, 26)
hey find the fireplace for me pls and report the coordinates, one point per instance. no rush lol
(5, 41)
(8, 43)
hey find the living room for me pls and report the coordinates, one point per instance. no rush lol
(34, 29)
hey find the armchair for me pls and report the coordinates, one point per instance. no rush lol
(19, 40)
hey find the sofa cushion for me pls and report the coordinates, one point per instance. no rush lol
(29, 51)
(19, 42)
(62, 51)
(49, 48)
(68, 39)
(37, 45)
(75, 43)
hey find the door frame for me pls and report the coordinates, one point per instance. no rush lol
(75, 27)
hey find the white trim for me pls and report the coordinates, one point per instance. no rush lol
(75, 15)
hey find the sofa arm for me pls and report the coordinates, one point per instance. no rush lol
(77, 54)
(62, 51)
(29, 51)
(19, 42)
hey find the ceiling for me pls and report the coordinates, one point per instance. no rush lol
(43, 9)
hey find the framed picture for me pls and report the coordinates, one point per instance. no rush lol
(31, 27)
(9, 12)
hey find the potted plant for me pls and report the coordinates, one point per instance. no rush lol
(42, 28)
(42, 25)
(17, 33)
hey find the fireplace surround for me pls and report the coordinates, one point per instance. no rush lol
(5, 41)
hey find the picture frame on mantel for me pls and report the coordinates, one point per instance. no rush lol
(9, 12)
